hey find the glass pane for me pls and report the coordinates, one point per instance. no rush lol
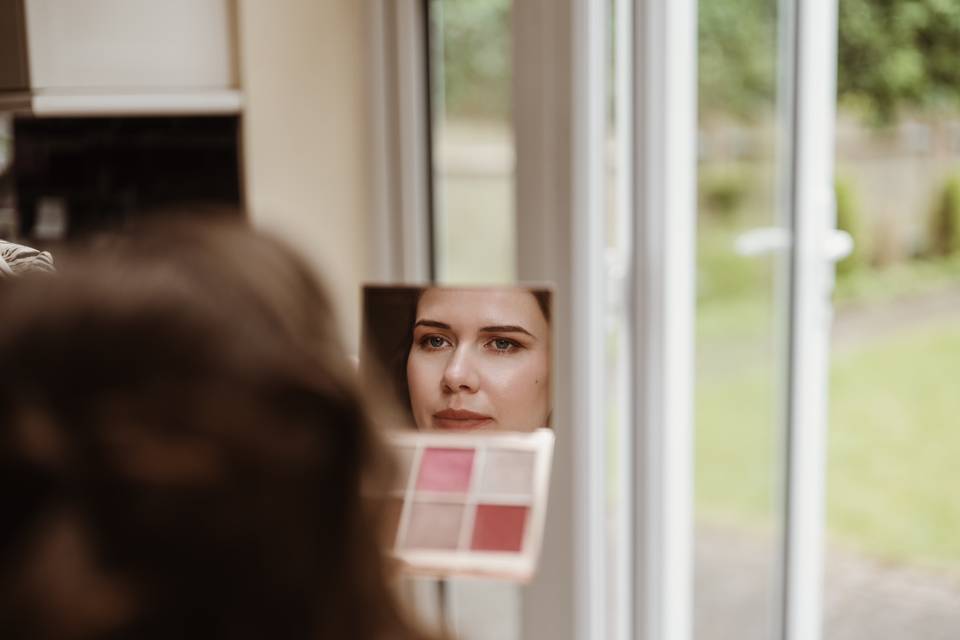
(893, 515)
(741, 321)
(473, 211)
(473, 150)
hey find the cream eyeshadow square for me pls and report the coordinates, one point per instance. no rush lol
(434, 526)
(508, 472)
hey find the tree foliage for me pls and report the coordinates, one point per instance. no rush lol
(892, 55)
(945, 221)
(896, 54)
(474, 38)
(737, 56)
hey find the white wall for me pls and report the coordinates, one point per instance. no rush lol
(304, 68)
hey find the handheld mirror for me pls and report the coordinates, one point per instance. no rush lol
(460, 359)
(466, 375)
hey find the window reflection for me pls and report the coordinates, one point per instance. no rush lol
(473, 148)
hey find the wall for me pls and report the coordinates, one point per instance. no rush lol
(305, 74)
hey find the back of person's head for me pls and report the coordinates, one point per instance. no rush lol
(183, 450)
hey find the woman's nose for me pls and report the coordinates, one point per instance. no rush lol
(460, 373)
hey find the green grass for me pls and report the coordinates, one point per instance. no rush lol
(894, 447)
(906, 278)
(736, 446)
(894, 442)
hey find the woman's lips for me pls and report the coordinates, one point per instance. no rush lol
(460, 419)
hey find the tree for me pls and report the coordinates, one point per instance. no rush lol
(475, 41)
(896, 54)
(892, 55)
(737, 56)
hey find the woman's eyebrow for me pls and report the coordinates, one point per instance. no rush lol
(506, 328)
(432, 323)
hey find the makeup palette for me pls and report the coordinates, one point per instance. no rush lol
(470, 503)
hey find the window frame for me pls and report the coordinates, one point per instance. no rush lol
(560, 50)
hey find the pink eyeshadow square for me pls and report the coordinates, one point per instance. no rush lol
(445, 470)
(499, 528)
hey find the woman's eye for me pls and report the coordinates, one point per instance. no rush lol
(434, 342)
(503, 345)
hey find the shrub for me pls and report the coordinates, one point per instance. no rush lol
(945, 220)
(722, 194)
(850, 219)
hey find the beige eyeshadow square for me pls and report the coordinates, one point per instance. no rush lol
(508, 472)
(434, 526)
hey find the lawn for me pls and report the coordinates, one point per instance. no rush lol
(894, 402)
(894, 445)
(894, 490)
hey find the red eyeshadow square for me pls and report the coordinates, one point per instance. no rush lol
(445, 470)
(499, 528)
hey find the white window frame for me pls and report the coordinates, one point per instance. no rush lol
(399, 226)
(811, 33)
(559, 106)
(559, 91)
(559, 67)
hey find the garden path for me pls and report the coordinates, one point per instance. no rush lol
(864, 599)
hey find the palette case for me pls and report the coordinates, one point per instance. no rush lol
(470, 504)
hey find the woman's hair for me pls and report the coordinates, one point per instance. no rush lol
(183, 450)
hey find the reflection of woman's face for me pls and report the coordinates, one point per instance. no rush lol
(480, 359)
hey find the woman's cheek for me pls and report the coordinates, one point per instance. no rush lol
(415, 375)
(515, 379)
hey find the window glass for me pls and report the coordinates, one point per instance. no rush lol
(472, 136)
(740, 321)
(473, 211)
(893, 516)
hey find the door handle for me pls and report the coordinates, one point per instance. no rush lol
(762, 241)
(837, 245)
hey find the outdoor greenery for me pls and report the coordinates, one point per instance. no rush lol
(892, 441)
(893, 405)
(925, 276)
(723, 190)
(737, 56)
(850, 219)
(945, 220)
(896, 54)
(475, 42)
(893, 55)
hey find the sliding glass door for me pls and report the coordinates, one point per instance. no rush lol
(742, 318)
(668, 165)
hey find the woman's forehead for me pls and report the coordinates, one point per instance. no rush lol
(481, 307)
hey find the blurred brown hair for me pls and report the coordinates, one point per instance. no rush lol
(183, 450)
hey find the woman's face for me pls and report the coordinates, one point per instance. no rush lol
(480, 359)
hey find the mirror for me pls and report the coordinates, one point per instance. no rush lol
(460, 359)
